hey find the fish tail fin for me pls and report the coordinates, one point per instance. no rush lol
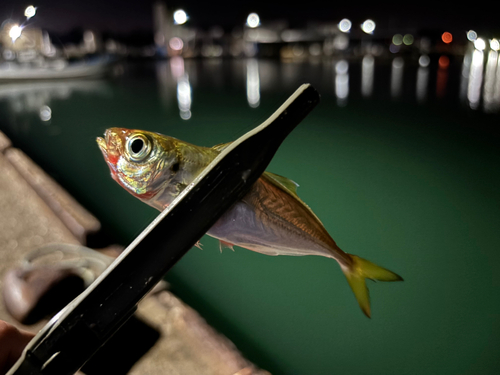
(357, 273)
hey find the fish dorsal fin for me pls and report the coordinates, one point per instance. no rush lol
(289, 187)
(221, 146)
(283, 183)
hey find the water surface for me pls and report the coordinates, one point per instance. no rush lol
(399, 161)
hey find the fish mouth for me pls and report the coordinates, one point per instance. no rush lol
(110, 146)
(102, 145)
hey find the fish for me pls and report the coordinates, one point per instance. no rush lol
(270, 219)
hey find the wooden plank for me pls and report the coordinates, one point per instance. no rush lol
(185, 343)
(78, 220)
(5, 142)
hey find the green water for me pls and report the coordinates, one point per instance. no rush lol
(411, 186)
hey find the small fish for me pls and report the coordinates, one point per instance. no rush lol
(271, 219)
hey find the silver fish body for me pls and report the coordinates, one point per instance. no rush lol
(271, 219)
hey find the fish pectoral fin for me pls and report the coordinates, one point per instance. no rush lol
(225, 245)
(199, 245)
(356, 275)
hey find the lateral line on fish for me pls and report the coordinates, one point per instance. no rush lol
(286, 224)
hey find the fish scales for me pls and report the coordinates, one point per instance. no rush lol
(278, 208)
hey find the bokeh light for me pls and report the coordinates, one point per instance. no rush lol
(480, 44)
(315, 49)
(30, 11)
(444, 62)
(342, 82)
(367, 70)
(397, 68)
(180, 17)
(397, 39)
(341, 42)
(368, 26)
(447, 37)
(424, 61)
(345, 25)
(184, 97)
(341, 67)
(45, 113)
(176, 43)
(471, 35)
(395, 48)
(476, 75)
(408, 39)
(253, 83)
(494, 44)
(15, 32)
(253, 20)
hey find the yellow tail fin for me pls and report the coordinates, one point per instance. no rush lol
(360, 270)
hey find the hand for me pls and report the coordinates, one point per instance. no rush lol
(12, 343)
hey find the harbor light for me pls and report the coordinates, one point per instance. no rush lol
(253, 20)
(176, 43)
(408, 39)
(447, 37)
(397, 39)
(180, 17)
(45, 113)
(480, 44)
(424, 61)
(15, 32)
(345, 25)
(30, 11)
(368, 26)
(494, 44)
(471, 35)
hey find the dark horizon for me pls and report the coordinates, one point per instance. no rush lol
(129, 16)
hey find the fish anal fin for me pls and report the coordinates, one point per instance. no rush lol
(225, 245)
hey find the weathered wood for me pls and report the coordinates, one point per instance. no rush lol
(26, 223)
(5, 142)
(78, 220)
(185, 343)
(189, 344)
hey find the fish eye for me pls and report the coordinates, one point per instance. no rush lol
(138, 147)
(175, 167)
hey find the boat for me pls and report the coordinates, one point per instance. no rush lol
(55, 69)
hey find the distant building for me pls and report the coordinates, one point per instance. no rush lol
(172, 39)
(162, 25)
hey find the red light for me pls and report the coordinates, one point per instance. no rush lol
(444, 61)
(447, 37)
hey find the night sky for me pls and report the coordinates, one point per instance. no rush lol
(122, 16)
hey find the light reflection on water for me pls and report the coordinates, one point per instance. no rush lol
(253, 83)
(478, 81)
(479, 86)
(491, 89)
(427, 164)
(367, 70)
(397, 77)
(475, 79)
(422, 78)
(36, 97)
(342, 82)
